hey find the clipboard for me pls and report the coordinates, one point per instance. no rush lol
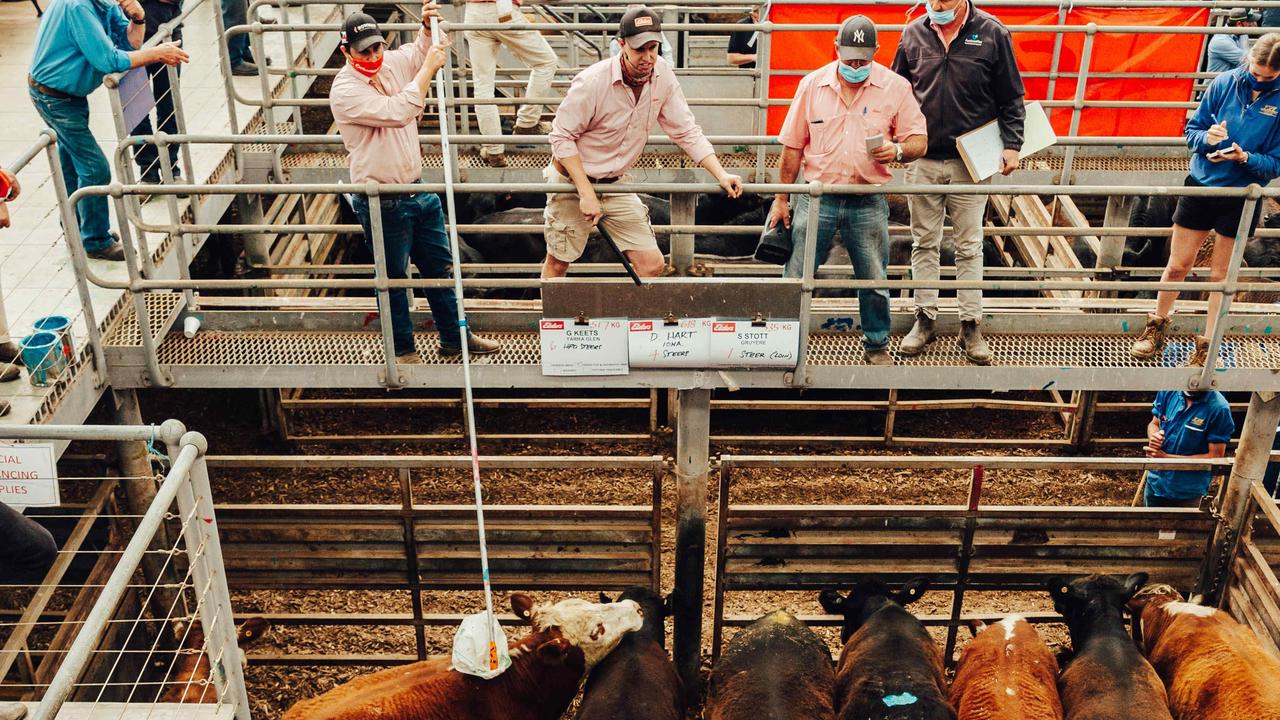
(980, 148)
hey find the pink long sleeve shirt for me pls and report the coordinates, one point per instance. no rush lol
(602, 122)
(380, 130)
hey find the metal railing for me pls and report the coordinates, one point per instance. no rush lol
(137, 614)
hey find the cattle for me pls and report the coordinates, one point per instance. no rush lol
(1007, 673)
(637, 681)
(774, 669)
(547, 665)
(1213, 667)
(890, 668)
(1107, 676)
(190, 683)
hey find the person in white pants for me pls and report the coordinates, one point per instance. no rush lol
(529, 47)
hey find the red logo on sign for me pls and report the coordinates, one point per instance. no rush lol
(552, 324)
(641, 326)
(724, 327)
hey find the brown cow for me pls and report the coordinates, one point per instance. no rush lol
(1007, 673)
(1107, 677)
(774, 669)
(547, 666)
(1213, 667)
(191, 682)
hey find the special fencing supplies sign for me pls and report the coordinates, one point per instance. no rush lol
(28, 475)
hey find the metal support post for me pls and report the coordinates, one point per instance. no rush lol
(290, 70)
(1256, 438)
(1056, 61)
(179, 238)
(1077, 104)
(683, 210)
(382, 289)
(264, 79)
(257, 247)
(155, 375)
(224, 59)
(213, 597)
(1205, 381)
(180, 120)
(692, 465)
(760, 123)
(800, 375)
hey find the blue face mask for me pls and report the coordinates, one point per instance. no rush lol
(1259, 86)
(855, 75)
(941, 17)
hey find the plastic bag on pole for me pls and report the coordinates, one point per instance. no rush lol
(480, 647)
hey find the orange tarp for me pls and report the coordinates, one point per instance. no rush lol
(1129, 52)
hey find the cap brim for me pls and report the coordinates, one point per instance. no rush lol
(635, 42)
(365, 43)
(857, 53)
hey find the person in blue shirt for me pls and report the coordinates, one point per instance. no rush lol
(1234, 137)
(77, 43)
(1226, 52)
(1188, 425)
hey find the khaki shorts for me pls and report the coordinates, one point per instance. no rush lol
(566, 231)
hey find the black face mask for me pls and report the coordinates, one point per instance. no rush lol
(1192, 395)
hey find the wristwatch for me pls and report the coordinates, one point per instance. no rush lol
(897, 152)
(138, 21)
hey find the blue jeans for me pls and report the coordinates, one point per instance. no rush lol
(27, 550)
(236, 12)
(863, 224)
(147, 156)
(413, 227)
(83, 163)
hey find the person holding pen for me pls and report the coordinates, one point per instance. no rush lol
(1234, 138)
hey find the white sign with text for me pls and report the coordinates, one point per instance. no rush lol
(28, 475)
(684, 343)
(596, 347)
(744, 343)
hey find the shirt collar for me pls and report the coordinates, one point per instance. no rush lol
(615, 69)
(831, 76)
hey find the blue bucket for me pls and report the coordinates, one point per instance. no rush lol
(42, 354)
(59, 325)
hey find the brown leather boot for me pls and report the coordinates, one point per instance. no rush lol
(974, 345)
(1201, 352)
(1151, 342)
(921, 335)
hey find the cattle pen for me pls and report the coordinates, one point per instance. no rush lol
(322, 489)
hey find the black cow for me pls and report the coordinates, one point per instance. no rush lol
(774, 669)
(1107, 677)
(636, 681)
(890, 668)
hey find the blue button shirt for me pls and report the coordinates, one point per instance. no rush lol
(1226, 52)
(78, 42)
(1254, 125)
(1188, 430)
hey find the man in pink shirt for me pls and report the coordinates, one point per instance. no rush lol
(598, 133)
(850, 118)
(377, 98)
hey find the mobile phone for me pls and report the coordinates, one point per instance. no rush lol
(1214, 154)
(874, 142)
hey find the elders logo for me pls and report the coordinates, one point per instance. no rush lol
(642, 326)
(644, 21)
(724, 327)
(552, 325)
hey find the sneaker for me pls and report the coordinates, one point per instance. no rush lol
(476, 344)
(10, 353)
(1201, 352)
(494, 160)
(244, 69)
(877, 356)
(1151, 342)
(541, 128)
(409, 358)
(113, 252)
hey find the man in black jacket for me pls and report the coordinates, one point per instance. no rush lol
(960, 63)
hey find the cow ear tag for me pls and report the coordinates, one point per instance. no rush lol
(905, 698)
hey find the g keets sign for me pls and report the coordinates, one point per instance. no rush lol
(28, 475)
(594, 347)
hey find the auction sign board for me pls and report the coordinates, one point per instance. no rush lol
(583, 347)
(684, 343)
(28, 475)
(747, 343)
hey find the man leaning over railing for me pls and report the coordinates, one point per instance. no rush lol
(377, 98)
(77, 43)
(598, 133)
(850, 118)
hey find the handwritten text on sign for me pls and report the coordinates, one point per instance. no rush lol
(28, 475)
(598, 347)
(742, 343)
(682, 344)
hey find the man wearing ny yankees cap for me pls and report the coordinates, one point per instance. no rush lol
(600, 130)
(849, 119)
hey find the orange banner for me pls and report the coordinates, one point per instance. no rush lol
(1128, 52)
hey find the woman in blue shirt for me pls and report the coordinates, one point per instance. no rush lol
(1234, 138)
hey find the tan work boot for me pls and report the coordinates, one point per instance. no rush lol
(410, 358)
(1151, 342)
(877, 356)
(1201, 352)
(921, 335)
(974, 345)
(475, 344)
(494, 160)
(541, 128)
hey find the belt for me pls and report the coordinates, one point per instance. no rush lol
(51, 92)
(594, 181)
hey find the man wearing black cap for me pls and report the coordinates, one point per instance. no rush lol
(849, 119)
(377, 98)
(959, 60)
(1226, 52)
(600, 130)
